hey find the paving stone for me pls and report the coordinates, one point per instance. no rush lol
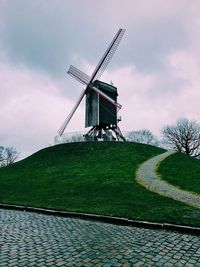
(30, 239)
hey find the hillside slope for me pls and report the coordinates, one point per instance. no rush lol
(183, 171)
(89, 177)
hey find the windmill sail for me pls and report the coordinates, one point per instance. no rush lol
(103, 63)
(67, 120)
(109, 99)
(78, 75)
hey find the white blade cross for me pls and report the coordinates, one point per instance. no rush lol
(87, 81)
(109, 99)
(66, 122)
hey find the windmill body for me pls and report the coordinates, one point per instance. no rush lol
(99, 111)
(101, 99)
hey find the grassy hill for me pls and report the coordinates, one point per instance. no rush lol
(183, 171)
(90, 177)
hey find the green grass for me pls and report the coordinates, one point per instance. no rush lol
(90, 177)
(182, 171)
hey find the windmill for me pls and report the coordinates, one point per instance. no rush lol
(101, 99)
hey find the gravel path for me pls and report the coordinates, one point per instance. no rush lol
(146, 176)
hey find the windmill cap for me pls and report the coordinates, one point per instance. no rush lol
(105, 87)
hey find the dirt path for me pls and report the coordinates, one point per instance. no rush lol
(146, 176)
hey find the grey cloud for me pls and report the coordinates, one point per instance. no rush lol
(44, 34)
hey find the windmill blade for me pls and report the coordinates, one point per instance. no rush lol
(78, 75)
(67, 120)
(109, 99)
(103, 63)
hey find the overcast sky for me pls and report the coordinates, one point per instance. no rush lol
(156, 67)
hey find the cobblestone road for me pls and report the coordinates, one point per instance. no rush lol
(30, 239)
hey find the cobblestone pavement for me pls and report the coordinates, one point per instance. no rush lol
(31, 239)
(146, 176)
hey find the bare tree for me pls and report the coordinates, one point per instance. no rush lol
(142, 136)
(184, 136)
(77, 137)
(11, 155)
(2, 156)
(8, 155)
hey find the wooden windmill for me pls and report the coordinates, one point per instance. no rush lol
(101, 99)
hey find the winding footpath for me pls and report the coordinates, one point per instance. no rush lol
(146, 176)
